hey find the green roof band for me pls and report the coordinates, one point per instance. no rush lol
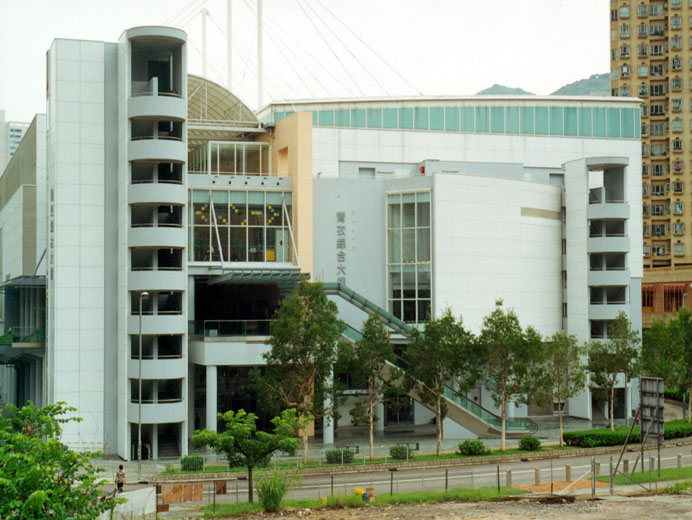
(570, 121)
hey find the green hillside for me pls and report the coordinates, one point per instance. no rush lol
(596, 85)
(501, 90)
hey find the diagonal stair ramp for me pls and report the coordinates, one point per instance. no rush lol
(460, 409)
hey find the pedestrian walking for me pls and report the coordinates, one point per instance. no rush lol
(120, 479)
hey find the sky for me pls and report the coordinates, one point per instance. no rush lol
(328, 48)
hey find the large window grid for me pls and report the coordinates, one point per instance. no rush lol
(493, 119)
(409, 244)
(231, 158)
(251, 226)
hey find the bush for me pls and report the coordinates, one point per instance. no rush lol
(529, 443)
(334, 456)
(401, 452)
(192, 463)
(472, 447)
(604, 437)
(271, 488)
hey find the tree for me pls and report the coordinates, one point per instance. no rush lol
(443, 355)
(243, 445)
(304, 341)
(369, 357)
(561, 375)
(510, 353)
(618, 354)
(39, 476)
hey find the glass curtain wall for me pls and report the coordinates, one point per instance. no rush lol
(240, 226)
(408, 256)
(230, 158)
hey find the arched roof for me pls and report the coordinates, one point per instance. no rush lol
(214, 113)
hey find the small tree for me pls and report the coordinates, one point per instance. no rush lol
(510, 353)
(562, 374)
(661, 355)
(243, 445)
(678, 354)
(369, 358)
(443, 355)
(618, 354)
(39, 476)
(305, 334)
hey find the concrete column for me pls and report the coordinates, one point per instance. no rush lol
(37, 382)
(183, 438)
(211, 397)
(379, 413)
(155, 441)
(327, 421)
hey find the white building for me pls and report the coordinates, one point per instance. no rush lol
(11, 134)
(162, 183)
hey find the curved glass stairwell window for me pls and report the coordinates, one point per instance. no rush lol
(408, 256)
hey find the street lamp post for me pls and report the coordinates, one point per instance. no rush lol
(142, 296)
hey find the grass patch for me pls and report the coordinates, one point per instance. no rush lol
(347, 501)
(214, 468)
(639, 477)
(681, 488)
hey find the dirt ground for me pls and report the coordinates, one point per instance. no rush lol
(668, 507)
(560, 485)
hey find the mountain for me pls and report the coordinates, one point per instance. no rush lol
(596, 85)
(501, 90)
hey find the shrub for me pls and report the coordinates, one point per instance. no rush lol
(472, 447)
(192, 463)
(401, 452)
(529, 443)
(334, 456)
(271, 488)
(604, 437)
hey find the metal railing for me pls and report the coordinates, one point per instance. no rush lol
(225, 328)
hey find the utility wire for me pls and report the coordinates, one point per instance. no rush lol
(179, 13)
(330, 47)
(347, 48)
(370, 48)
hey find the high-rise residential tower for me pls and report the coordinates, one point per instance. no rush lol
(651, 58)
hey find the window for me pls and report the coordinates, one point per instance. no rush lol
(657, 190)
(624, 12)
(408, 256)
(676, 22)
(655, 29)
(676, 63)
(678, 228)
(240, 226)
(657, 90)
(658, 170)
(658, 230)
(676, 84)
(677, 166)
(614, 92)
(642, 10)
(646, 230)
(645, 130)
(614, 55)
(676, 126)
(641, 31)
(658, 250)
(642, 71)
(656, 71)
(656, 9)
(645, 170)
(676, 104)
(677, 143)
(679, 250)
(645, 150)
(657, 110)
(625, 91)
(678, 187)
(645, 190)
(658, 149)
(642, 50)
(625, 51)
(657, 50)
(658, 210)
(678, 208)
(646, 209)
(676, 43)
(613, 15)
(625, 31)
(645, 110)
(646, 250)
(625, 71)
(673, 295)
(675, 4)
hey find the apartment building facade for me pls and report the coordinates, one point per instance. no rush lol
(651, 58)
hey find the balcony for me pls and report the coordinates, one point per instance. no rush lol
(170, 368)
(148, 100)
(608, 244)
(157, 280)
(161, 148)
(157, 193)
(159, 412)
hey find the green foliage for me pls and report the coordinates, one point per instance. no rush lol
(192, 463)
(594, 85)
(271, 488)
(445, 352)
(618, 354)
(472, 447)
(501, 90)
(529, 443)
(510, 353)
(335, 456)
(39, 476)
(400, 452)
(305, 340)
(345, 501)
(243, 445)
(605, 437)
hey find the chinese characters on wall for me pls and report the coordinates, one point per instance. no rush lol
(341, 247)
